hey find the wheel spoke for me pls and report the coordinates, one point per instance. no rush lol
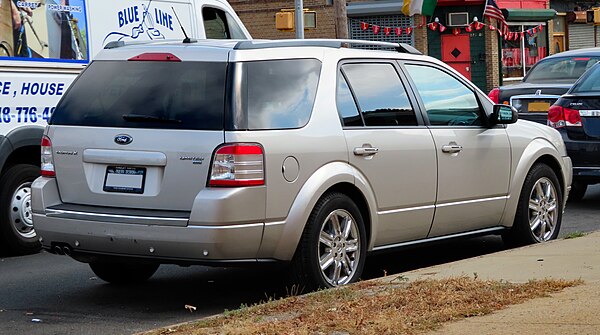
(337, 271)
(348, 227)
(348, 264)
(536, 222)
(542, 229)
(335, 222)
(326, 261)
(326, 239)
(548, 190)
(534, 205)
(351, 246)
(539, 192)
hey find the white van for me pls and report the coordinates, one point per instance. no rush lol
(44, 44)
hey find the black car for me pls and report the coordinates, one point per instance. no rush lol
(547, 80)
(576, 115)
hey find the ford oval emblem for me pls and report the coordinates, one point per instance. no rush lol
(123, 139)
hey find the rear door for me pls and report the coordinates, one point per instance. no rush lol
(473, 160)
(392, 149)
(129, 135)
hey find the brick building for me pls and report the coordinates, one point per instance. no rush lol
(481, 55)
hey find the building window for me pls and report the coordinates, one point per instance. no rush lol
(518, 56)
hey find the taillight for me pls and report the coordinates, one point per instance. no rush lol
(47, 159)
(559, 117)
(238, 165)
(495, 95)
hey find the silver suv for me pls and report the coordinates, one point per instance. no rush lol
(306, 152)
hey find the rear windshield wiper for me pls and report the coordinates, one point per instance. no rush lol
(148, 118)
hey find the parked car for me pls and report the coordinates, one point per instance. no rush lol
(547, 80)
(576, 115)
(301, 152)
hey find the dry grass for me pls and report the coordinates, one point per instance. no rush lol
(374, 308)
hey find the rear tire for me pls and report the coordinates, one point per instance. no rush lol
(578, 190)
(123, 273)
(17, 235)
(539, 211)
(333, 247)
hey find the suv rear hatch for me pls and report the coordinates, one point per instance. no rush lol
(126, 135)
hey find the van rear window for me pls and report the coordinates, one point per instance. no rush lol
(171, 95)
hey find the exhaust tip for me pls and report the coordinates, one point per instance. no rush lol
(58, 250)
(66, 251)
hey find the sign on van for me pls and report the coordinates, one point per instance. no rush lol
(54, 30)
(69, 31)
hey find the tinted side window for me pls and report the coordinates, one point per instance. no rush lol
(448, 101)
(380, 94)
(169, 95)
(279, 94)
(346, 105)
(215, 23)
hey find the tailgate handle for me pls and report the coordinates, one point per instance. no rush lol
(125, 157)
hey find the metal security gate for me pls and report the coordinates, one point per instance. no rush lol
(581, 36)
(392, 21)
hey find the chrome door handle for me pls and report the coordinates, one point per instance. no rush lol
(451, 148)
(365, 151)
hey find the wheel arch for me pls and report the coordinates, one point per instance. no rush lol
(539, 151)
(21, 146)
(333, 177)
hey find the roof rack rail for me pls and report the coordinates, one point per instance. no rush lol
(318, 42)
(119, 44)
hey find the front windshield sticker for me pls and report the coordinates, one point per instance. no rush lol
(52, 30)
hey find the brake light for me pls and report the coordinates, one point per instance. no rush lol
(47, 158)
(238, 165)
(156, 57)
(495, 95)
(559, 117)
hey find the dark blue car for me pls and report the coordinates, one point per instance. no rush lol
(576, 115)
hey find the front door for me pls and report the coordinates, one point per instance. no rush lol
(456, 52)
(473, 160)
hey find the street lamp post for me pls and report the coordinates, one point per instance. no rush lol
(299, 20)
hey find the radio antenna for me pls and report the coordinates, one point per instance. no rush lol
(186, 39)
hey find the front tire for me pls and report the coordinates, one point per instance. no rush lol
(333, 247)
(16, 222)
(539, 211)
(123, 273)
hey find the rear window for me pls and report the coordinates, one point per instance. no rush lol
(589, 83)
(568, 69)
(277, 94)
(173, 95)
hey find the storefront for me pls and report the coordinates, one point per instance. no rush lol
(527, 42)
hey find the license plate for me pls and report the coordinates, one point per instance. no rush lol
(538, 107)
(125, 179)
(589, 113)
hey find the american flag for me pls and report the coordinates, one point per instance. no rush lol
(493, 11)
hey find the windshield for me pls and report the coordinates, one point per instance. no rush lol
(172, 95)
(564, 68)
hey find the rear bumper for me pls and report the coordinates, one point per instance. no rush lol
(585, 156)
(122, 236)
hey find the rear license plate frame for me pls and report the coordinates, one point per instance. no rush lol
(128, 174)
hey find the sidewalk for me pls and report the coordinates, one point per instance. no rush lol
(574, 311)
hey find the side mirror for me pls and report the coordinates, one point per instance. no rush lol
(503, 114)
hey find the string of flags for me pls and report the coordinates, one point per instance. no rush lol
(437, 26)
